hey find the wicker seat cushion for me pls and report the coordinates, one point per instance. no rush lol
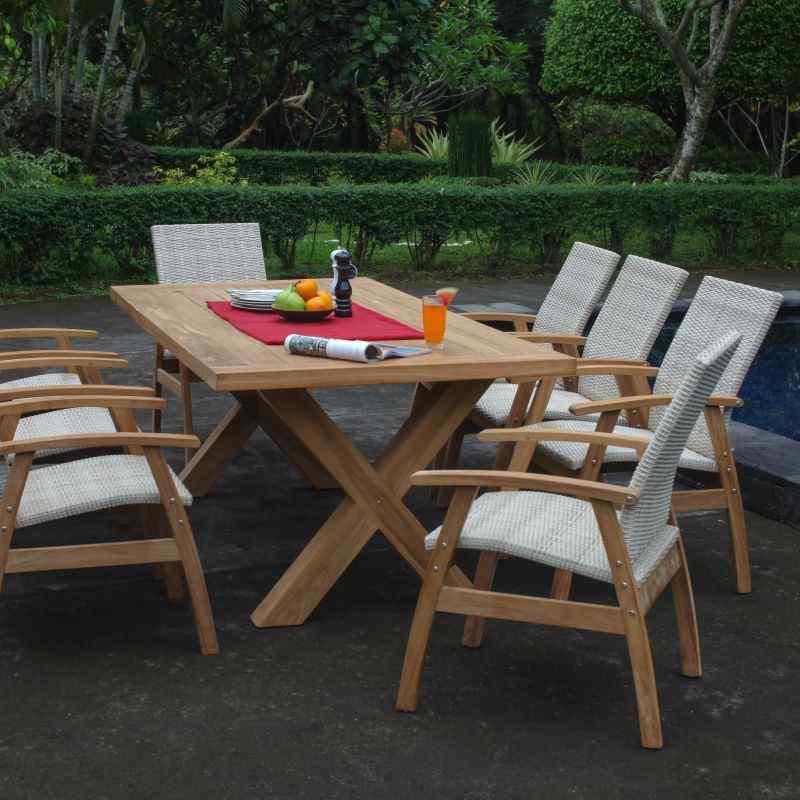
(46, 379)
(495, 404)
(57, 491)
(572, 454)
(550, 529)
(65, 422)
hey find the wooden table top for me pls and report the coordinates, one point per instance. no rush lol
(177, 317)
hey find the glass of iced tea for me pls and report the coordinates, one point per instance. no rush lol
(434, 318)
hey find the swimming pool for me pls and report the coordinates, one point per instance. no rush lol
(771, 390)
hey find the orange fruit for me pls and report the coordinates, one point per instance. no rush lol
(307, 288)
(317, 304)
(326, 297)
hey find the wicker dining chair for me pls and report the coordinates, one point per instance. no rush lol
(622, 535)
(80, 373)
(200, 254)
(718, 305)
(562, 316)
(138, 478)
(632, 316)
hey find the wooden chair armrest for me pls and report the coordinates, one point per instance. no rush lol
(532, 433)
(575, 487)
(47, 333)
(621, 404)
(75, 359)
(75, 390)
(610, 368)
(11, 355)
(727, 400)
(521, 321)
(551, 338)
(57, 402)
(622, 362)
(82, 441)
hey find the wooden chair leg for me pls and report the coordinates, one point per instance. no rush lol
(688, 634)
(740, 550)
(186, 402)
(15, 485)
(561, 585)
(475, 627)
(644, 681)
(633, 615)
(184, 539)
(157, 388)
(155, 525)
(438, 564)
(730, 483)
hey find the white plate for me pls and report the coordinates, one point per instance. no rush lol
(255, 294)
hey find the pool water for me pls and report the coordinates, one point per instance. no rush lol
(771, 390)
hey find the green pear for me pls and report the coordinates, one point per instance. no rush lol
(289, 300)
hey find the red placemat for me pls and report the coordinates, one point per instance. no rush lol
(271, 328)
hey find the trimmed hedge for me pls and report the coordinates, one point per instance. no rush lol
(276, 167)
(74, 235)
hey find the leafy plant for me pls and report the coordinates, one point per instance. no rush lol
(696, 176)
(433, 143)
(212, 170)
(536, 173)
(507, 148)
(19, 170)
(592, 175)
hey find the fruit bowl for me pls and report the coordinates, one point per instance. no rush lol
(303, 316)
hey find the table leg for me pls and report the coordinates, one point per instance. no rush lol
(293, 448)
(375, 493)
(231, 435)
(225, 441)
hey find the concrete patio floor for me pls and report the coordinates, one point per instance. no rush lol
(105, 694)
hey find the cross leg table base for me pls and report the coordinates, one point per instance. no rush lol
(375, 493)
(231, 435)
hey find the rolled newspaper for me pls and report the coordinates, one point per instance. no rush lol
(345, 349)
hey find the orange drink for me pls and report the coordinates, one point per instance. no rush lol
(434, 318)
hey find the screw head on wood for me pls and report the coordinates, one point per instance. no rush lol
(619, 563)
(435, 567)
(624, 584)
(9, 509)
(172, 500)
(631, 613)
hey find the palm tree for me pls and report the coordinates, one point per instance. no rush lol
(111, 41)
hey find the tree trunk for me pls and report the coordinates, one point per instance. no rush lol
(80, 64)
(36, 67)
(137, 60)
(470, 143)
(113, 30)
(72, 27)
(698, 114)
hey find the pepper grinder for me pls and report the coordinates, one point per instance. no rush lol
(343, 272)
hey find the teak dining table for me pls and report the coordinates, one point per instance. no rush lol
(273, 390)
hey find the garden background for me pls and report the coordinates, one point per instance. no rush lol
(462, 137)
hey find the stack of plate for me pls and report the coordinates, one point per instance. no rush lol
(253, 299)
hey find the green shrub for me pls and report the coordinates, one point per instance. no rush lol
(68, 235)
(20, 170)
(601, 133)
(733, 160)
(218, 169)
(281, 167)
